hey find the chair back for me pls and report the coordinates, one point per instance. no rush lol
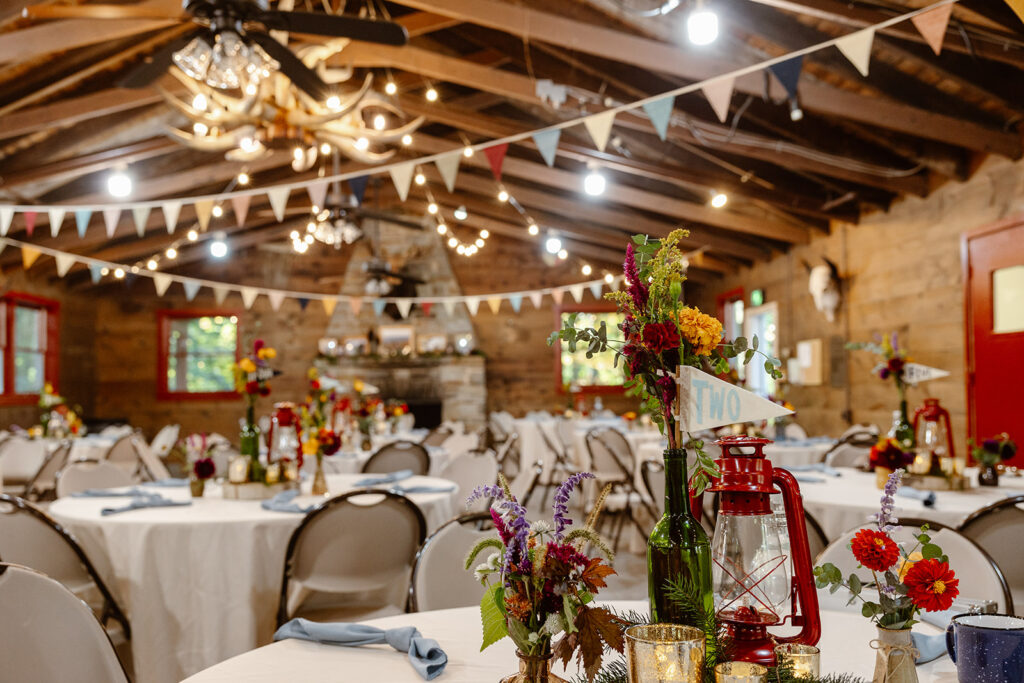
(90, 474)
(999, 529)
(457, 444)
(123, 454)
(853, 449)
(21, 459)
(164, 440)
(385, 528)
(398, 455)
(439, 577)
(565, 430)
(611, 458)
(859, 430)
(46, 478)
(794, 432)
(152, 467)
(653, 474)
(523, 486)
(437, 435)
(62, 641)
(817, 541)
(508, 456)
(470, 470)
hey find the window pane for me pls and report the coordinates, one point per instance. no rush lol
(28, 372)
(597, 371)
(200, 353)
(1008, 299)
(29, 328)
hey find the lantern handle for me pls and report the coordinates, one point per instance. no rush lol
(799, 548)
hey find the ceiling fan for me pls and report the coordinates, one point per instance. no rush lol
(235, 34)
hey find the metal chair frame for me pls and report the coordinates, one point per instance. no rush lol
(478, 518)
(417, 449)
(60, 456)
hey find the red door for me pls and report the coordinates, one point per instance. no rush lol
(994, 259)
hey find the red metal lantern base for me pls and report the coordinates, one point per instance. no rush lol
(751, 643)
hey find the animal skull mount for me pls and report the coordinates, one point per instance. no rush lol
(824, 284)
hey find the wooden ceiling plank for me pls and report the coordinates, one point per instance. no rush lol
(75, 167)
(66, 35)
(67, 112)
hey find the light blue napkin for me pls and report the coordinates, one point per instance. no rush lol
(282, 502)
(808, 479)
(425, 655)
(931, 647)
(170, 482)
(927, 498)
(384, 478)
(406, 490)
(154, 500)
(814, 467)
(133, 492)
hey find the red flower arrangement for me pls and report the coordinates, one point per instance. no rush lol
(204, 468)
(931, 585)
(887, 453)
(875, 550)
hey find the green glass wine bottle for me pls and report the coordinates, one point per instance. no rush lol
(678, 550)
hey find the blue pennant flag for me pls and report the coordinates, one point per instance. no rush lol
(358, 187)
(547, 144)
(660, 111)
(82, 217)
(788, 73)
(303, 303)
(378, 306)
(96, 272)
(516, 300)
(191, 289)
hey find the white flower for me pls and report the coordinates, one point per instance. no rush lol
(553, 624)
(533, 637)
(494, 561)
(540, 528)
(481, 572)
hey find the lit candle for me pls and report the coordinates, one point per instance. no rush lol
(740, 672)
(273, 473)
(665, 652)
(805, 660)
(238, 470)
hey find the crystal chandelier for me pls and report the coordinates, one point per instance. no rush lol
(334, 225)
(230, 64)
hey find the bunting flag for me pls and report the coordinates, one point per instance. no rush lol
(404, 306)
(425, 307)
(329, 303)
(857, 48)
(547, 144)
(110, 218)
(378, 306)
(191, 289)
(30, 221)
(276, 299)
(595, 290)
(56, 218)
(496, 158)
(161, 282)
(719, 95)
(29, 256)
(278, 197)
(557, 295)
(204, 208)
(706, 402)
(577, 292)
(660, 112)
(248, 297)
(140, 214)
(240, 205)
(448, 167)
(494, 303)
(355, 305)
(64, 263)
(358, 187)
(536, 298)
(95, 272)
(473, 304)
(788, 73)
(303, 302)
(517, 302)
(915, 373)
(1016, 5)
(171, 210)
(82, 217)
(401, 176)
(317, 193)
(449, 307)
(932, 25)
(6, 216)
(220, 294)
(600, 127)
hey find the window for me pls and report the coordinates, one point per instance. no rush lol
(29, 340)
(763, 321)
(591, 375)
(730, 312)
(197, 351)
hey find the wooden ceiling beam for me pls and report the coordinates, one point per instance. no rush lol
(75, 167)
(69, 111)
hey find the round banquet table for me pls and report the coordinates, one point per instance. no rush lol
(351, 462)
(781, 453)
(200, 583)
(844, 649)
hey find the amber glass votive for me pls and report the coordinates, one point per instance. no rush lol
(740, 672)
(664, 652)
(804, 660)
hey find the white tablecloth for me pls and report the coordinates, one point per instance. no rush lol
(201, 583)
(351, 462)
(844, 647)
(781, 453)
(532, 446)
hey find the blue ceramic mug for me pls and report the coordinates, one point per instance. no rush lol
(987, 648)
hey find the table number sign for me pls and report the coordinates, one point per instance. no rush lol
(915, 373)
(706, 402)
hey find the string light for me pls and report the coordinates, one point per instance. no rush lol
(135, 269)
(460, 249)
(795, 112)
(199, 102)
(297, 154)
(119, 273)
(479, 242)
(171, 253)
(485, 233)
(362, 144)
(420, 179)
(441, 228)
(119, 183)
(379, 122)
(594, 183)
(333, 102)
(533, 229)
(467, 151)
(151, 264)
(609, 278)
(553, 245)
(452, 242)
(104, 271)
(719, 199)
(406, 139)
(432, 208)
(243, 178)
(192, 235)
(460, 213)
(200, 128)
(217, 211)
(390, 88)
(431, 94)
(563, 254)
(218, 247)
(586, 269)
(325, 148)
(503, 195)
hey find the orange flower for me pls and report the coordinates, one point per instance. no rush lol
(932, 585)
(875, 550)
(703, 331)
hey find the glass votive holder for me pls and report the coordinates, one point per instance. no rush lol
(273, 473)
(664, 652)
(740, 672)
(291, 470)
(238, 470)
(803, 660)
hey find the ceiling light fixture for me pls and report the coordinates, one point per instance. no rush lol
(702, 25)
(553, 245)
(460, 213)
(119, 183)
(719, 199)
(594, 183)
(218, 247)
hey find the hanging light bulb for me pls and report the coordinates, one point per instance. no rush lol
(298, 154)
(151, 264)
(119, 183)
(217, 211)
(171, 253)
(431, 94)
(325, 148)
(420, 179)
(192, 235)
(243, 178)
(218, 246)
(200, 128)
(702, 25)
(479, 242)
(472, 249)
(333, 102)
(586, 269)
(308, 239)
(362, 144)
(293, 235)
(467, 151)
(104, 271)
(432, 208)
(719, 199)
(594, 183)
(485, 233)
(503, 195)
(795, 112)
(609, 278)
(533, 229)
(119, 273)
(379, 122)
(390, 88)
(460, 213)
(563, 254)
(406, 139)
(441, 228)
(452, 242)
(460, 249)
(553, 245)
(249, 145)
(199, 102)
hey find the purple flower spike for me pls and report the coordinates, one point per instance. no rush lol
(561, 504)
(885, 519)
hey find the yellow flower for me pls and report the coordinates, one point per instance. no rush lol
(909, 562)
(703, 331)
(35, 432)
(312, 373)
(310, 447)
(358, 386)
(267, 353)
(246, 365)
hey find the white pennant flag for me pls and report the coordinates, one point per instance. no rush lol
(64, 263)
(404, 306)
(220, 294)
(171, 211)
(600, 127)
(536, 298)
(473, 304)
(249, 296)
(719, 94)
(915, 373)
(706, 402)
(6, 216)
(191, 289)
(317, 193)
(278, 197)
(449, 306)
(141, 216)
(110, 219)
(857, 48)
(448, 165)
(161, 282)
(401, 176)
(577, 292)
(595, 289)
(276, 299)
(240, 205)
(56, 218)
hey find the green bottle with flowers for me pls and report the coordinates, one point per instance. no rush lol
(252, 380)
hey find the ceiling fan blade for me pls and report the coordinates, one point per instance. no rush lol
(291, 66)
(97, 12)
(156, 64)
(338, 26)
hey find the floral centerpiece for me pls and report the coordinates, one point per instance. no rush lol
(202, 470)
(887, 456)
(991, 453)
(57, 421)
(319, 442)
(252, 379)
(395, 409)
(907, 578)
(539, 585)
(892, 364)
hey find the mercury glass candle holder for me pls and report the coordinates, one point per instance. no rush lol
(804, 660)
(740, 672)
(664, 652)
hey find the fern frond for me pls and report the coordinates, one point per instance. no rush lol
(593, 538)
(491, 542)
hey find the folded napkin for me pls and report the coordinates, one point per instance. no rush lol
(405, 490)
(814, 467)
(927, 498)
(931, 647)
(133, 492)
(807, 479)
(282, 502)
(384, 478)
(169, 482)
(425, 655)
(154, 500)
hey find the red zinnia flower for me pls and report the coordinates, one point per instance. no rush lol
(875, 550)
(931, 585)
(659, 337)
(252, 387)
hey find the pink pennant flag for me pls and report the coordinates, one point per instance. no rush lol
(110, 219)
(356, 304)
(932, 25)
(30, 222)
(317, 193)
(557, 295)
(719, 94)
(240, 205)
(536, 298)
(496, 157)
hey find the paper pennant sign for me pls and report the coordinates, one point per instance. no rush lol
(496, 158)
(240, 205)
(191, 289)
(404, 306)
(378, 306)
(600, 127)
(278, 197)
(30, 221)
(6, 216)
(110, 219)
(249, 297)
(317, 193)
(56, 218)
(82, 217)
(355, 305)
(557, 295)
(547, 144)
(171, 211)
(788, 73)
(448, 167)
(932, 25)
(401, 176)
(95, 272)
(596, 289)
(140, 214)
(536, 298)
(276, 299)
(494, 303)
(719, 95)
(220, 294)
(161, 282)
(29, 256)
(204, 208)
(577, 292)
(857, 48)
(915, 373)
(449, 307)
(706, 402)
(329, 303)
(660, 112)
(517, 301)
(472, 305)
(64, 263)
(358, 187)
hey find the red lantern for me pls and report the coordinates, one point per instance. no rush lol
(757, 581)
(936, 421)
(283, 439)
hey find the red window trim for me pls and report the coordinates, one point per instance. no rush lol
(51, 363)
(163, 318)
(580, 308)
(727, 297)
